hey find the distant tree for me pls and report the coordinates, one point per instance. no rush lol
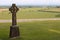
(57, 6)
(30, 6)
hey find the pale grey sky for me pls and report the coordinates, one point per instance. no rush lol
(30, 2)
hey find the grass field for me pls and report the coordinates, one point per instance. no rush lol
(39, 30)
(29, 13)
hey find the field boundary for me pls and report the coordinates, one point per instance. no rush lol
(29, 20)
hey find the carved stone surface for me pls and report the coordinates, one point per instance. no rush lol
(14, 29)
(13, 9)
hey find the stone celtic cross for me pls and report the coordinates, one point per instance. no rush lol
(14, 29)
(13, 9)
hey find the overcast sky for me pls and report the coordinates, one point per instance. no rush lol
(30, 2)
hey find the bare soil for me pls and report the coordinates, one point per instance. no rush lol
(1, 10)
(29, 20)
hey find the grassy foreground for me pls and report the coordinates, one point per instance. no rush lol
(40, 30)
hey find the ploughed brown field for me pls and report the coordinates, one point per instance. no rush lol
(1, 9)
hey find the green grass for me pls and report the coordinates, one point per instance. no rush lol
(39, 30)
(29, 13)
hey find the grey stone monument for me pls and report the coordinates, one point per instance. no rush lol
(14, 29)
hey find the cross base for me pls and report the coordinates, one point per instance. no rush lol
(14, 31)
